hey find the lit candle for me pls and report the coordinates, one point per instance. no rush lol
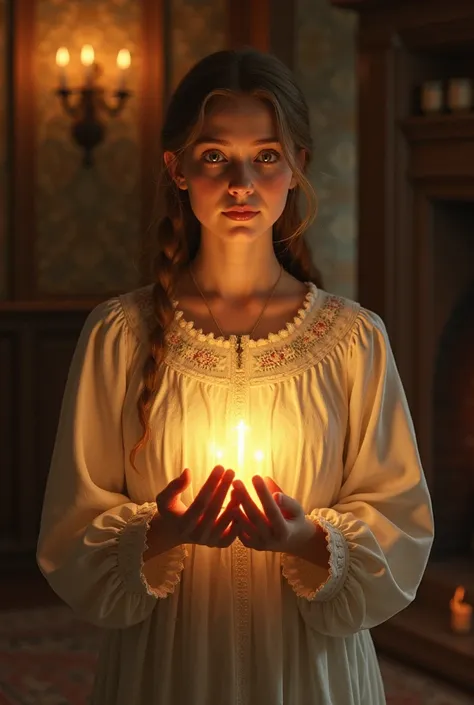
(62, 60)
(123, 63)
(461, 612)
(236, 455)
(241, 431)
(87, 60)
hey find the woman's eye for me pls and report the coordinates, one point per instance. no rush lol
(213, 157)
(268, 156)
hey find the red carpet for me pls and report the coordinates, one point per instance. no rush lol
(47, 657)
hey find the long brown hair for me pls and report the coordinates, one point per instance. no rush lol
(177, 237)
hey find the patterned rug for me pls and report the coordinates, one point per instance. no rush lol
(47, 657)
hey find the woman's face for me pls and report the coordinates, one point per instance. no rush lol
(235, 161)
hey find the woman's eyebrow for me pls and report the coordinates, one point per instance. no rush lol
(209, 139)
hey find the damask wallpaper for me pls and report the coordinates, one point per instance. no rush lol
(198, 27)
(87, 219)
(325, 69)
(3, 143)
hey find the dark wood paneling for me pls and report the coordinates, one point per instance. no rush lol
(54, 349)
(267, 25)
(408, 166)
(153, 96)
(9, 379)
(36, 348)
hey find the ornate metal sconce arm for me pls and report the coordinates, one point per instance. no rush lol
(88, 130)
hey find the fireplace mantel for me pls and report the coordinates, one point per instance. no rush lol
(416, 188)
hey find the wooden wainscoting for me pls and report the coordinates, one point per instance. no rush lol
(37, 342)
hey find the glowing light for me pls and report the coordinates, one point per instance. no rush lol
(123, 59)
(62, 57)
(87, 55)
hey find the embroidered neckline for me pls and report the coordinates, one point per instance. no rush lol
(226, 342)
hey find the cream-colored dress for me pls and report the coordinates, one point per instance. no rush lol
(324, 406)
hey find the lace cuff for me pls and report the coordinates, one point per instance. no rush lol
(312, 581)
(161, 574)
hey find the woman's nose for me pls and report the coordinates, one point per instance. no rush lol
(240, 180)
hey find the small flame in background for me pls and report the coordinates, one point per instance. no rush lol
(459, 594)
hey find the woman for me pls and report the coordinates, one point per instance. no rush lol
(263, 593)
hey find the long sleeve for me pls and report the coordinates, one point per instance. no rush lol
(380, 531)
(92, 536)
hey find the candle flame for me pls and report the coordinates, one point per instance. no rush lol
(241, 431)
(62, 57)
(87, 55)
(123, 59)
(259, 456)
(459, 594)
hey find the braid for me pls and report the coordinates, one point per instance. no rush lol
(171, 258)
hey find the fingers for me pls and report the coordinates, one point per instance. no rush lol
(192, 515)
(258, 520)
(270, 507)
(166, 497)
(228, 536)
(207, 522)
(271, 484)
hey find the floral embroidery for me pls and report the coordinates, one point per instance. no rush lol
(271, 358)
(316, 331)
(201, 358)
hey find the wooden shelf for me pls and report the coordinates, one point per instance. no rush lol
(422, 128)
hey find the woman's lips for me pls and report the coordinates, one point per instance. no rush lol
(240, 215)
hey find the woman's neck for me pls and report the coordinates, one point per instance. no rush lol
(236, 278)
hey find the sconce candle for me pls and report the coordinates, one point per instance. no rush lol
(87, 60)
(87, 111)
(123, 63)
(62, 60)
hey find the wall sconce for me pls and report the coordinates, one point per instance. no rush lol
(88, 129)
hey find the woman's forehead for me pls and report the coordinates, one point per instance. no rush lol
(239, 117)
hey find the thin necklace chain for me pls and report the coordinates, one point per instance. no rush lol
(261, 313)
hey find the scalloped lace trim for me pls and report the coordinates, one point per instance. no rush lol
(303, 576)
(132, 546)
(225, 342)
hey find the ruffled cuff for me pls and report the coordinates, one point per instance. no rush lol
(159, 577)
(314, 582)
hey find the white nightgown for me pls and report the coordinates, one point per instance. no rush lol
(324, 405)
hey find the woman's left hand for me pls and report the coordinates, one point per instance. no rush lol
(281, 527)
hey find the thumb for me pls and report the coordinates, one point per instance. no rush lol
(288, 505)
(272, 485)
(180, 483)
(174, 488)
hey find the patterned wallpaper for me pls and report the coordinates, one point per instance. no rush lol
(198, 27)
(325, 69)
(3, 99)
(87, 219)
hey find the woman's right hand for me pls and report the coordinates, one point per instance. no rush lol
(199, 523)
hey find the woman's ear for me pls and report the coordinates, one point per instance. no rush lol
(300, 159)
(173, 166)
